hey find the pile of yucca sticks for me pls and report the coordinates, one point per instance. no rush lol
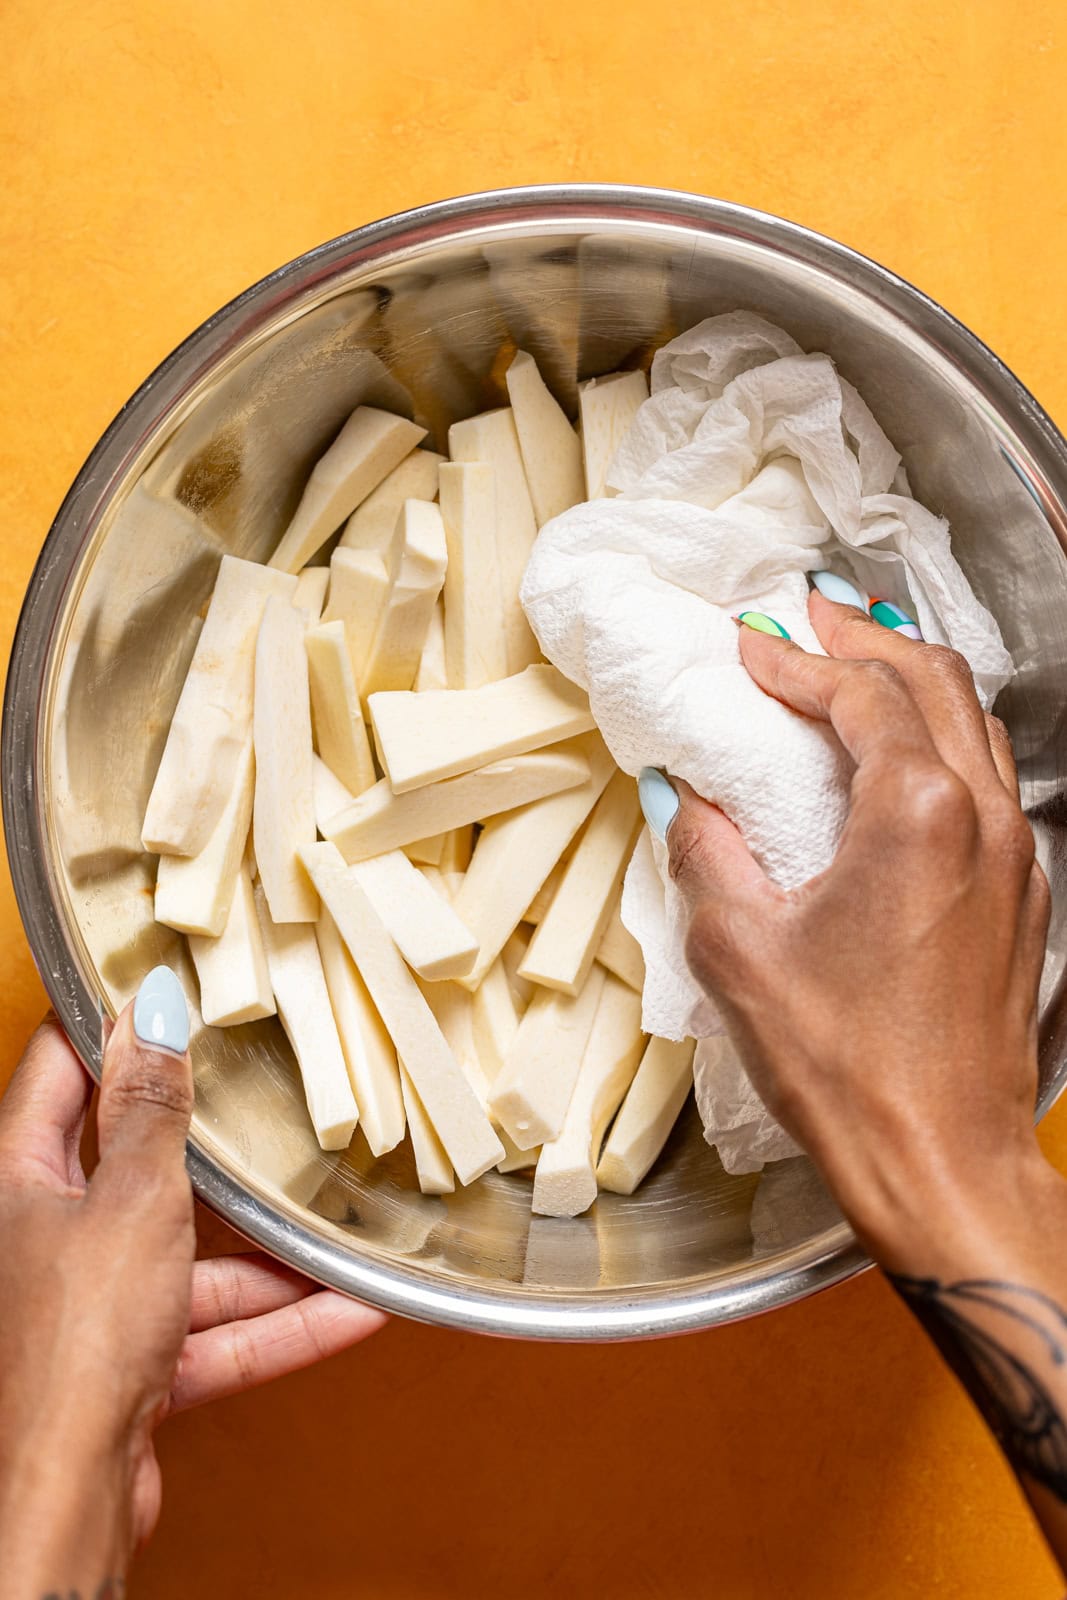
(380, 815)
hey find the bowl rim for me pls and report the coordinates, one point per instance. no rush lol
(407, 1289)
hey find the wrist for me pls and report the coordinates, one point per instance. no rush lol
(64, 1518)
(955, 1219)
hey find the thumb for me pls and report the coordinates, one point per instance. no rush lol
(724, 888)
(146, 1089)
(708, 856)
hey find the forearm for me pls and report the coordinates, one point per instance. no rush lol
(63, 1524)
(978, 1259)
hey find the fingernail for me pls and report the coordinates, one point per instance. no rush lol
(891, 617)
(831, 587)
(659, 800)
(160, 1014)
(760, 623)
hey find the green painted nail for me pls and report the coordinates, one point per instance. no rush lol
(891, 617)
(761, 624)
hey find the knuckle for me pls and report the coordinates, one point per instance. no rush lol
(940, 807)
(872, 680)
(812, 678)
(685, 852)
(856, 630)
(946, 666)
(881, 674)
(155, 1086)
(243, 1351)
(313, 1330)
(220, 1290)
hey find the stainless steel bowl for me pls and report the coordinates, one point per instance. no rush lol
(209, 456)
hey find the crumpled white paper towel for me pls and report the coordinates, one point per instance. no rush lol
(750, 465)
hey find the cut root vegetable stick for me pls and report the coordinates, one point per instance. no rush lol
(359, 583)
(426, 852)
(541, 901)
(492, 438)
(213, 717)
(533, 1089)
(512, 956)
(620, 952)
(551, 450)
(371, 525)
(437, 880)
(337, 716)
(476, 645)
(563, 948)
(194, 893)
(514, 855)
(516, 1160)
(329, 793)
(304, 1008)
(424, 738)
(451, 1104)
(428, 933)
(234, 980)
(457, 850)
(416, 574)
(432, 1166)
(494, 1020)
(565, 1183)
(283, 812)
(368, 1049)
(453, 1010)
(648, 1114)
(381, 820)
(607, 407)
(493, 1024)
(310, 593)
(432, 673)
(369, 446)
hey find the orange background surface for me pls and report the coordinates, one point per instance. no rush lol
(158, 158)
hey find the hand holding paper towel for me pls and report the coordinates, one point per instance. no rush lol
(750, 465)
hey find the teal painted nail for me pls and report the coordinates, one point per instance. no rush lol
(891, 616)
(760, 623)
(659, 800)
(160, 1014)
(838, 589)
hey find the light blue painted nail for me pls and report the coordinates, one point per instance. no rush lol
(160, 1014)
(838, 589)
(909, 630)
(659, 800)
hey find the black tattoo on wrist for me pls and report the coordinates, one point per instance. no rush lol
(110, 1589)
(1005, 1342)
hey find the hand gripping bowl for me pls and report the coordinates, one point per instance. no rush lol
(210, 456)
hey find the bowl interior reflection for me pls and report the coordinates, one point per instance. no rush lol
(419, 328)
